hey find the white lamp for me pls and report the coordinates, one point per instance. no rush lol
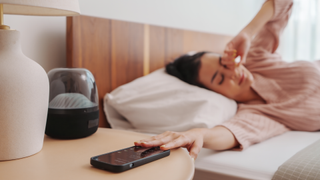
(24, 85)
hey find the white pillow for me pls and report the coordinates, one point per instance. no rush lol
(160, 102)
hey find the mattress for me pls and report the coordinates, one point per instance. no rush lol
(258, 162)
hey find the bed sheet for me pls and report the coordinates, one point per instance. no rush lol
(258, 162)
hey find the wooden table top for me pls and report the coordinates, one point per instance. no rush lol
(70, 159)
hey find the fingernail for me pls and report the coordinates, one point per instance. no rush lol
(192, 160)
(144, 143)
(163, 146)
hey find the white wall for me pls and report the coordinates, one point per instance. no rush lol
(44, 38)
(216, 16)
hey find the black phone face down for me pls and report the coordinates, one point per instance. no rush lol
(128, 158)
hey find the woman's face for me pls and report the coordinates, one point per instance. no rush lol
(234, 84)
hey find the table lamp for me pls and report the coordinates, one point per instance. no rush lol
(24, 91)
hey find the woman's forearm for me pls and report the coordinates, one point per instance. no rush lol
(219, 138)
(262, 17)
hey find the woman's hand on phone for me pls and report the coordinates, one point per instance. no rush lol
(238, 46)
(191, 139)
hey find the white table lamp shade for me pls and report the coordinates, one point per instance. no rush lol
(24, 92)
(41, 7)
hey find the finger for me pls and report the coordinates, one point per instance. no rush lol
(180, 141)
(159, 136)
(229, 65)
(159, 142)
(228, 61)
(229, 56)
(195, 148)
(230, 46)
(232, 52)
(225, 60)
(139, 143)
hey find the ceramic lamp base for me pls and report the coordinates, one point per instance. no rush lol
(24, 96)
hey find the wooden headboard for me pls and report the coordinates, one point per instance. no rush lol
(117, 52)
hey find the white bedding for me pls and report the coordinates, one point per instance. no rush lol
(257, 162)
(159, 102)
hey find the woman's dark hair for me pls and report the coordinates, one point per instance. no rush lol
(186, 68)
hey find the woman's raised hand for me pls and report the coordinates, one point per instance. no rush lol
(191, 139)
(238, 46)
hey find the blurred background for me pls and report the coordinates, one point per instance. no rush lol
(44, 40)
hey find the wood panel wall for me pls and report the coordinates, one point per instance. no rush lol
(117, 52)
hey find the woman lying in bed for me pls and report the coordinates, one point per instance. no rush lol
(273, 96)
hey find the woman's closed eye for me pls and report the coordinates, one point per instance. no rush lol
(222, 79)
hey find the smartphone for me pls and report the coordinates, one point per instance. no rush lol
(128, 158)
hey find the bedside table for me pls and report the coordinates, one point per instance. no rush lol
(70, 159)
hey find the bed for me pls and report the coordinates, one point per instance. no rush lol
(119, 52)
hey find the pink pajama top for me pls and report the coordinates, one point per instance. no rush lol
(291, 90)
